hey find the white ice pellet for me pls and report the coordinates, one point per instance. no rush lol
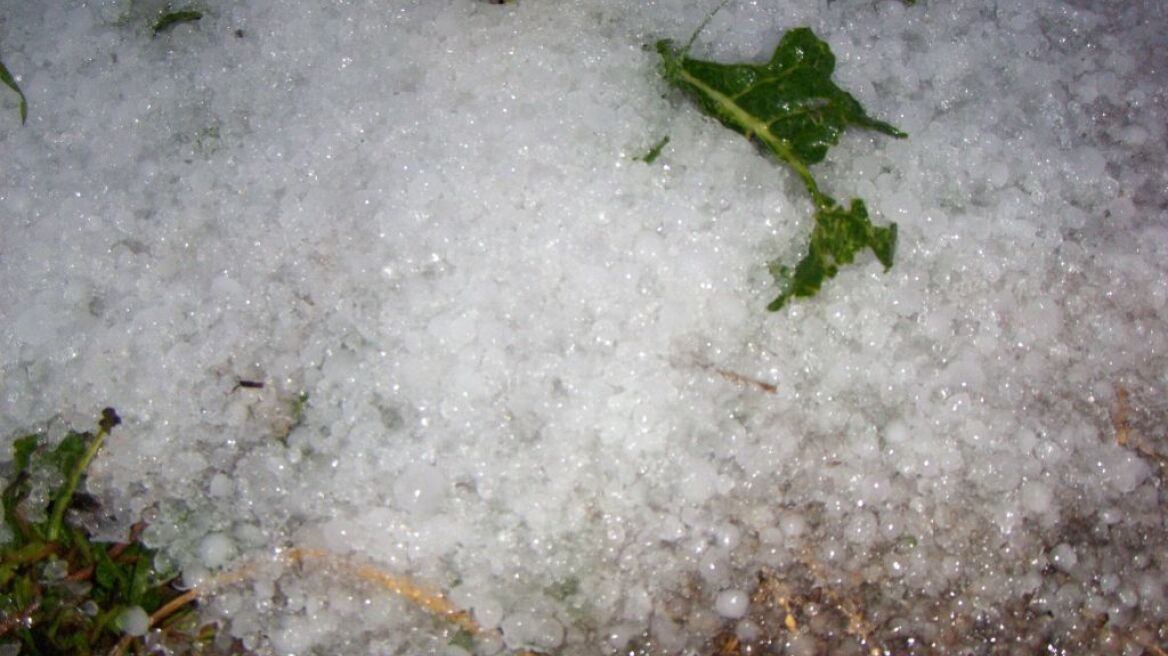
(215, 550)
(638, 604)
(1127, 595)
(861, 528)
(618, 637)
(748, 631)
(699, 482)
(1124, 470)
(801, 644)
(732, 604)
(532, 631)
(771, 536)
(896, 431)
(420, 489)
(1036, 498)
(221, 485)
(728, 536)
(1108, 582)
(293, 637)
(1063, 557)
(792, 524)
(872, 489)
(713, 567)
(134, 621)
(487, 611)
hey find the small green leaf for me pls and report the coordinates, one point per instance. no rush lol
(838, 235)
(139, 580)
(10, 82)
(463, 639)
(19, 487)
(168, 21)
(22, 449)
(561, 590)
(65, 456)
(791, 107)
(106, 574)
(299, 407)
(654, 152)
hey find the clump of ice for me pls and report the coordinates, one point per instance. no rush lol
(732, 604)
(532, 631)
(134, 621)
(215, 550)
(537, 369)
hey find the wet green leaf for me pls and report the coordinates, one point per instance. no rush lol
(10, 82)
(65, 456)
(139, 580)
(19, 487)
(562, 589)
(654, 152)
(791, 107)
(107, 575)
(464, 639)
(838, 235)
(22, 449)
(168, 21)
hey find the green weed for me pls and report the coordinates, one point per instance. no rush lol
(61, 592)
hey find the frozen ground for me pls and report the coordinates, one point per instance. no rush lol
(533, 365)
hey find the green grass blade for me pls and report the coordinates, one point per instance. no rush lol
(168, 21)
(10, 82)
(654, 152)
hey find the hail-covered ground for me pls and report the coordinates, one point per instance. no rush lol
(504, 358)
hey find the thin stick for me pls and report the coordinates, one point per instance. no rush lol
(1119, 416)
(429, 599)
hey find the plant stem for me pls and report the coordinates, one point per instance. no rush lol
(57, 519)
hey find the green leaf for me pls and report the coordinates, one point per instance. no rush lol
(168, 21)
(789, 104)
(65, 456)
(562, 589)
(463, 638)
(22, 449)
(139, 580)
(654, 152)
(791, 107)
(10, 82)
(838, 235)
(19, 487)
(107, 574)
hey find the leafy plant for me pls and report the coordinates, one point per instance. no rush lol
(10, 82)
(61, 593)
(791, 107)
